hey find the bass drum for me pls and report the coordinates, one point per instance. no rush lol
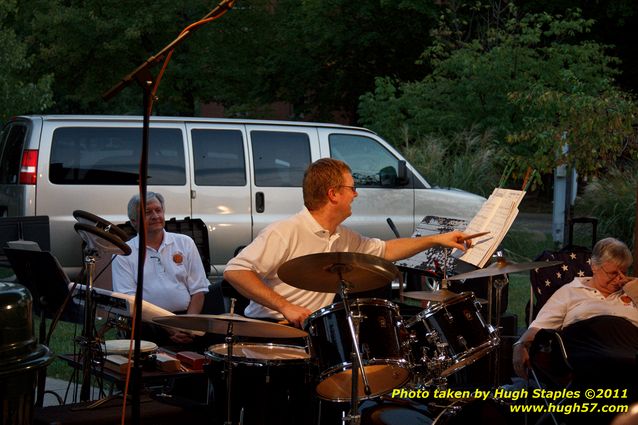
(458, 412)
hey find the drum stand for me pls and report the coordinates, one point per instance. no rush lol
(357, 365)
(229, 367)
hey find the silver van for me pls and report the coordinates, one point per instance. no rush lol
(236, 175)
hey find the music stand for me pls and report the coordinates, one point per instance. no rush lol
(34, 228)
(41, 273)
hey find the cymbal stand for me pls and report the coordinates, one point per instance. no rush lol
(88, 342)
(357, 365)
(499, 284)
(229, 365)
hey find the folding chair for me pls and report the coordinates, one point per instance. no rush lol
(544, 282)
(550, 366)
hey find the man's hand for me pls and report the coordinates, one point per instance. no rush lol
(631, 288)
(455, 239)
(179, 336)
(295, 315)
(520, 360)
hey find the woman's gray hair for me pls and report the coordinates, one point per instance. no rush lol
(611, 250)
(134, 205)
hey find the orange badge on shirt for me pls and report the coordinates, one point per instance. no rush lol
(625, 299)
(178, 258)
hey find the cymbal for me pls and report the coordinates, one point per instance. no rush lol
(439, 296)
(504, 267)
(242, 326)
(323, 272)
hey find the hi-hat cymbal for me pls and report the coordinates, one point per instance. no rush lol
(504, 267)
(242, 326)
(323, 272)
(440, 296)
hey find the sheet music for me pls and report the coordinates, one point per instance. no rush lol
(428, 259)
(496, 216)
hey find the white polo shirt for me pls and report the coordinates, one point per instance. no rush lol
(172, 274)
(294, 237)
(576, 301)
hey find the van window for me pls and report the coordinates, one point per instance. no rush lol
(219, 158)
(280, 158)
(11, 144)
(371, 163)
(110, 156)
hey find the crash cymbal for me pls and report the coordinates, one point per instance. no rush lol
(322, 272)
(242, 326)
(439, 296)
(504, 267)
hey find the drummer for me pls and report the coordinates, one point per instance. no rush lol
(328, 193)
(174, 276)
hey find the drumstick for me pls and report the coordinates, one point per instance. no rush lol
(475, 235)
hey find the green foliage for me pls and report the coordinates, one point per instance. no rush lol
(318, 56)
(611, 198)
(529, 80)
(90, 45)
(464, 161)
(19, 93)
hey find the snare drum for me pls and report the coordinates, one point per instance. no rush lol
(380, 332)
(270, 383)
(454, 329)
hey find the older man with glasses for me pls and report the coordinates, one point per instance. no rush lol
(174, 276)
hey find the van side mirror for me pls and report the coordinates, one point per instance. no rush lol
(402, 176)
(391, 177)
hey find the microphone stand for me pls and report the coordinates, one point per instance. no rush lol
(142, 75)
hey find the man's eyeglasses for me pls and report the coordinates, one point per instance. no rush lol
(352, 188)
(158, 261)
(613, 275)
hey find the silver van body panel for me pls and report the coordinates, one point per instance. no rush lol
(234, 214)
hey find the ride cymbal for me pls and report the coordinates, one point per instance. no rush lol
(242, 326)
(504, 267)
(439, 296)
(323, 272)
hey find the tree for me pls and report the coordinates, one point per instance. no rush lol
(525, 78)
(19, 94)
(89, 45)
(317, 55)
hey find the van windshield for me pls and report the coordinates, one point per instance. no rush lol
(110, 156)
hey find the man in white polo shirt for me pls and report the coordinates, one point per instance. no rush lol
(174, 276)
(328, 191)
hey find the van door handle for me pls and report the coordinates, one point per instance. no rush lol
(260, 202)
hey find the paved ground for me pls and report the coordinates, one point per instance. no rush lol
(533, 222)
(59, 387)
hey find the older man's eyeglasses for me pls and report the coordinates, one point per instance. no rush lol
(352, 188)
(613, 275)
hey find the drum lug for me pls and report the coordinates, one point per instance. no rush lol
(461, 339)
(449, 316)
(433, 337)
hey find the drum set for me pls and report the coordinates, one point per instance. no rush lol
(353, 350)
